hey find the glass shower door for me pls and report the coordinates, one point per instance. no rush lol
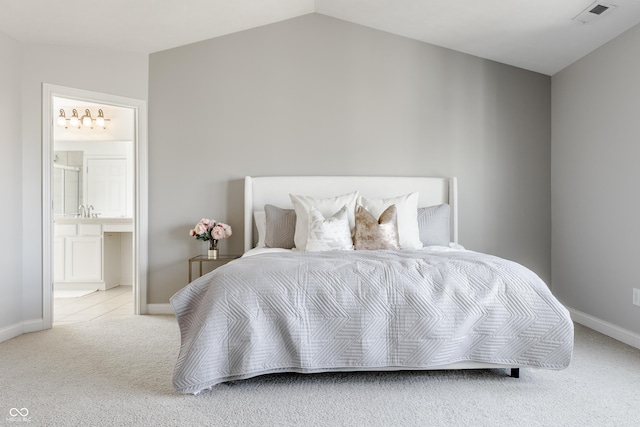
(66, 190)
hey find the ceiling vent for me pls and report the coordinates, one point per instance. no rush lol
(595, 11)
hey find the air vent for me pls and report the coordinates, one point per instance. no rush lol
(599, 9)
(595, 11)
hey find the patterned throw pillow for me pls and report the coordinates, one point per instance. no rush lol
(326, 234)
(328, 206)
(407, 214)
(373, 233)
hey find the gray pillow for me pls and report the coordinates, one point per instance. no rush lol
(281, 227)
(434, 225)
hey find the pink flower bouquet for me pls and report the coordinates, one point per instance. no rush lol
(210, 230)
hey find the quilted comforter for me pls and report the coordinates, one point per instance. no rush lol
(365, 310)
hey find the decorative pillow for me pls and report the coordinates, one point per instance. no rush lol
(280, 227)
(327, 207)
(326, 234)
(261, 226)
(434, 225)
(407, 208)
(372, 233)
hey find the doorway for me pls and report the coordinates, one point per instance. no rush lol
(84, 247)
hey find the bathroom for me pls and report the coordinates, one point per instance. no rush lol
(93, 197)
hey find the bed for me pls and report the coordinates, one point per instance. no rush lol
(423, 303)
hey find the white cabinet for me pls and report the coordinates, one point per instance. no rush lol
(83, 259)
(77, 260)
(92, 253)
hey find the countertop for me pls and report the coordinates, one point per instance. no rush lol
(99, 220)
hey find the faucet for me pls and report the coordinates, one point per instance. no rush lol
(86, 211)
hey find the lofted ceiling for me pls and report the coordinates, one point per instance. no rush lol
(537, 35)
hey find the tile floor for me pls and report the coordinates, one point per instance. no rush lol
(116, 301)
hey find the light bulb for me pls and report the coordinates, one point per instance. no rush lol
(74, 121)
(100, 119)
(62, 119)
(86, 119)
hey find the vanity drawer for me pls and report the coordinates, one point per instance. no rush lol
(89, 229)
(61, 230)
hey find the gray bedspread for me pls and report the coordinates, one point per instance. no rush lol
(365, 310)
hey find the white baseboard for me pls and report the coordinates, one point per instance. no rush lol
(82, 286)
(18, 329)
(159, 309)
(11, 331)
(606, 328)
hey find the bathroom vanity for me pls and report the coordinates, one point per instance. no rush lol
(92, 253)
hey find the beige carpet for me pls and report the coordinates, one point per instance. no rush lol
(117, 372)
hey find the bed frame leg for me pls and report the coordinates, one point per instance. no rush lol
(515, 372)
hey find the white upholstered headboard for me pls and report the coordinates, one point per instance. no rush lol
(275, 190)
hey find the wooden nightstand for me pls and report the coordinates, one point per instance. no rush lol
(222, 259)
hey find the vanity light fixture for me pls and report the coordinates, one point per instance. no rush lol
(86, 120)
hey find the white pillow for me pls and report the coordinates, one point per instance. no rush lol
(434, 223)
(407, 207)
(261, 225)
(327, 207)
(326, 234)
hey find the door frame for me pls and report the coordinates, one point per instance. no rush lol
(141, 194)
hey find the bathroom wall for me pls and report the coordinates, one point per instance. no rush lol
(119, 123)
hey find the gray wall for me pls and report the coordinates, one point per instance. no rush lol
(24, 68)
(10, 188)
(316, 95)
(595, 176)
(116, 73)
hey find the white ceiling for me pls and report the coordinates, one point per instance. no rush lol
(538, 35)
